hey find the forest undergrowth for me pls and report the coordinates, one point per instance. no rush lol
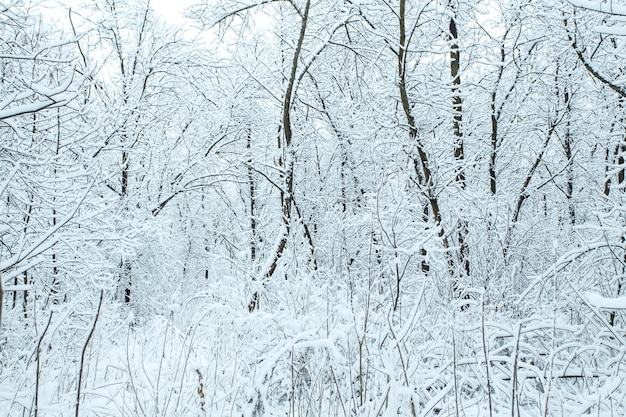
(322, 351)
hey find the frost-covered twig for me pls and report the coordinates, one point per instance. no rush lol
(514, 376)
(37, 377)
(82, 357)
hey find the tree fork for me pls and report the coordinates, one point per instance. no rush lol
(288, 136)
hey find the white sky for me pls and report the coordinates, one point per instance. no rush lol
(172, 10)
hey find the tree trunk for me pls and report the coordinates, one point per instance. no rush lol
(567, 150)
(288, 156)
(459, 151)
(126, 265)
(421, 163)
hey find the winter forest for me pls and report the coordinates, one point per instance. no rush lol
(313, 208)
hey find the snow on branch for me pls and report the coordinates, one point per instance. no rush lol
(600, 6)
(51, 102)
(59, 96)
(561, 263)
(606, 303)
(43, 242)
(611, 30)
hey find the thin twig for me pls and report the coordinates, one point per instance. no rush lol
(514, 376)
(39, 365)
(82, 357)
